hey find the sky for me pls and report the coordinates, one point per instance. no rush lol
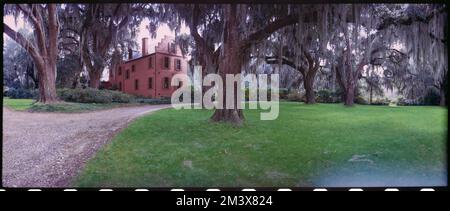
(160, 33)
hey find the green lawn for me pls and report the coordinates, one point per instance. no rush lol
(63, 107)
(318, 145)
(18, 104)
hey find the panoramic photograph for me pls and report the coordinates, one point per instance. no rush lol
(158, 95)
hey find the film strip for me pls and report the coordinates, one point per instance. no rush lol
(227, 189)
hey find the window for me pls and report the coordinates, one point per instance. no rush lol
(166, 83)
(127, 76)
(173, 48)
(150, 83)
(120, 86)
(132, 68)
(166, 62)
(120, 70)
(178, 64)
(136, 84)
(150, 62)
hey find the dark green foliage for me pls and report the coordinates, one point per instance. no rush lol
(432, 97)
(65, 107)
(69, 69)
(247, 94)
(20, 93)
(153, 101)
(382, 102)
(283, 93)
(89, 95)
(328, 96)
(360, 100)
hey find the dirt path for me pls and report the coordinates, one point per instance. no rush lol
(50, 149)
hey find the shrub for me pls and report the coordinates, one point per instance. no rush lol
(328, 96)
(247, 94)
(153, 101)
(324, 96)
(383, 102)
(295, 95)
(407, 102)
(432, 97)
(20, 93)
(283, 93)
(360, 100)
(114, 87)
(90, 95)
(120, 97)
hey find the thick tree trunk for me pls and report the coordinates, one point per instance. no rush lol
(94, 79)
(310, 96)
(44, 49)
(230, 64)
(349, 96)
(443, 98)
(47, 85)
(371, 95)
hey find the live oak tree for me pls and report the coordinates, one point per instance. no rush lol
(43, 48)
(70, 64)
(237, 28)
(412, 31)
(102, 27)
(423, 30)
(305, 45)
(18, 67)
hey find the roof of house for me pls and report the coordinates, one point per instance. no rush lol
(131, 60)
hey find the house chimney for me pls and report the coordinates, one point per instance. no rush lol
(130, 53)
(144, 46)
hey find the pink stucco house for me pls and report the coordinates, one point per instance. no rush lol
(150, 75)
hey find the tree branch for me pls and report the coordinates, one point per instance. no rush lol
(274, 60)
(268, 30)
(28, 13)
(27, 45)
(193, 29)
(408, 20)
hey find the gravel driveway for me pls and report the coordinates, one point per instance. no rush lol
(50, 149)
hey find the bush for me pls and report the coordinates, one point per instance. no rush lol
(114, 87)
(324, 96)
(20, 93)
(90, 95)
(406, 102)
(432, 97)
(153, 101)
(360, 100)
(247, 94)
(295, 95)
(120, 97)
(283, 93)
(328, 96)
(382, 102)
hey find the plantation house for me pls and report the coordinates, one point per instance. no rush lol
(150, 75)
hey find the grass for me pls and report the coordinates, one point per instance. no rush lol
(66, 107)
(308, 145)
(18, 104)
(63, 107)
